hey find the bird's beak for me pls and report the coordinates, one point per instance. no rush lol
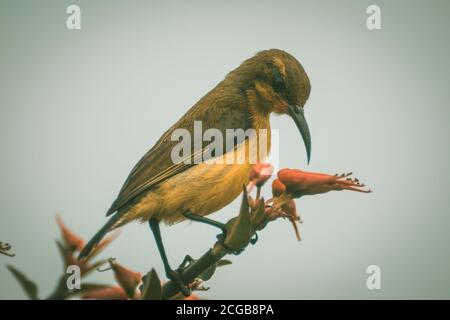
(296, 113)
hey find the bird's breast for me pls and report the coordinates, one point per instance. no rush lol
(201, 189)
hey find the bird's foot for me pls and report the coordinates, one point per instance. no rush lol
(175, 276)
(221, 239)
(221, 236)
(187, 261)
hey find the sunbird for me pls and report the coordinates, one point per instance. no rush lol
(159, 189)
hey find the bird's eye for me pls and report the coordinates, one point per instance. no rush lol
(278, 82)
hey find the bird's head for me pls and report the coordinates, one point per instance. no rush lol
(274, 81)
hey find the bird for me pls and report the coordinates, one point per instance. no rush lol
(161, 190)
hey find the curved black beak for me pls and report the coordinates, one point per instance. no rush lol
(296, 113)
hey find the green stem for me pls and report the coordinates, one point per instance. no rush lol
(210, 258)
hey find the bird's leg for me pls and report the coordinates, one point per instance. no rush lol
(221, 237)
(187, 260)
(211, 222)
(171, 274)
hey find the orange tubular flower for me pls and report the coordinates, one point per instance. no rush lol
(293, 183)
(278, 188)
(300, 183)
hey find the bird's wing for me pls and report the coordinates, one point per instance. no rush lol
(226, 112)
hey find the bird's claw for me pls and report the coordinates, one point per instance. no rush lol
(221, 239)
(175, 276)
(187, 261)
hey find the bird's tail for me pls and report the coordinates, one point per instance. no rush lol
(99, 236)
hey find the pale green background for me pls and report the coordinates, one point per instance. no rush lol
(79, 108)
